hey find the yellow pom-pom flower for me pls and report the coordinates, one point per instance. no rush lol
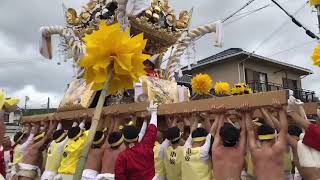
(222, 88)
(201, 84)
(316, 56)
(314, 2)
(9, 103)
(110, 49)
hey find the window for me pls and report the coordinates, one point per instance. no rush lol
(258, 81)
(290, 83)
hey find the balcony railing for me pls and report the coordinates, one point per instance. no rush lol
(303, 95)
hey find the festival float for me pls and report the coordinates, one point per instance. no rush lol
(128, 54)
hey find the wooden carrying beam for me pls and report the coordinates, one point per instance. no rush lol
(230, 102)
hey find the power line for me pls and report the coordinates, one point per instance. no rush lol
(282, 25)
(294, 47)
(247, 14)
(295, 21)
(230, 16)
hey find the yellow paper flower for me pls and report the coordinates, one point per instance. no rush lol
(222, 88)
(7, 102)
(314, 2)
(110, 49)
(241, 88)
(201, 84)
(316, 56)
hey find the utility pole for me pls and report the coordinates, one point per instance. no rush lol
(318, 14)
(48, 104)
(25, 102)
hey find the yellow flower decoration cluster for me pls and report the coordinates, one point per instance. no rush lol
(8, 103)
(240, 88)
(316, 56)
(222, 88)
(109, 49)
(201, 84)
(314, 2)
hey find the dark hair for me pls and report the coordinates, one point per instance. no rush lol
(73, 132)
(130, 132)
(229, 135)
(265, 129)
(57, 134)
(114, 137)
(87, 125)
(294, 130)
(173, 133)
(98, 135)
(17, 136)
(199, 132)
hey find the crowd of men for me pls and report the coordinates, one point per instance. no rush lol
(219, 144)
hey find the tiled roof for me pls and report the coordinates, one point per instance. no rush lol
(238, 51)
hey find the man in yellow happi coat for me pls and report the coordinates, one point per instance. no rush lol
(173, 155)
(196, 163)
(72, 151)
(54, 154)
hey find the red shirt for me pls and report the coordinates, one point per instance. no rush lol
(2, 164)
(137, 163)
(312, 137)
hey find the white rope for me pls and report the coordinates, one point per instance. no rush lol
(186, 40)
(72, 41)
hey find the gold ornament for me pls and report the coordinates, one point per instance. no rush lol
(157, 9)
(148, 13)
(184, 19)
(156, 17)
(84, 16)
(71, 15)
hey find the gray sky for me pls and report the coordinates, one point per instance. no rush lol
(23, 72)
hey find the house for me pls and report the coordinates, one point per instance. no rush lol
(260, 73)
(12, 119)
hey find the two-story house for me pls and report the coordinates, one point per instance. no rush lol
(260, 73)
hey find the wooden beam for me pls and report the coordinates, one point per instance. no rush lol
(230, 102)
(311, 108)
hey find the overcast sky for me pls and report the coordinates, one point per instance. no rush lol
(23, 72)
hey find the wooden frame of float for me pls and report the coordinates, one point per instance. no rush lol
(255, 100)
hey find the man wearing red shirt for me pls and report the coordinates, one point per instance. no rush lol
(149, 66)
(137, 161)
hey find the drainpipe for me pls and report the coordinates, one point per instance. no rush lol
(242, 62)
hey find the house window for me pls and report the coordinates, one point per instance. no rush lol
(258, 81)
(290, 83)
